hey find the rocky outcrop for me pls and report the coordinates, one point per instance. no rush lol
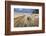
(26, 21)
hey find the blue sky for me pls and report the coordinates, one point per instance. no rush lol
(23, 10)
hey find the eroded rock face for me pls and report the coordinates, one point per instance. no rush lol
(36, 20)
(25, 21)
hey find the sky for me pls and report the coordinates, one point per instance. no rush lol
(23, 10)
